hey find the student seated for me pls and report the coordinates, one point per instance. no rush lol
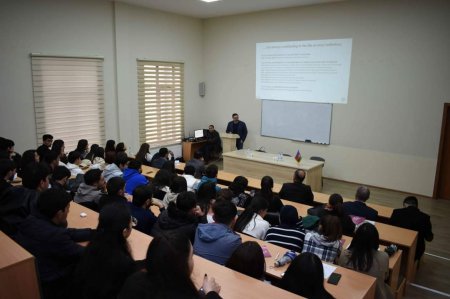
(359, 207)
(99, 159)
(198, 164)
(251, 221)
(121, 147)
(287, 234)
(180, 216)
(217, 241)
(161, 157)
(43, 149)
(189, 175)
(143, 155)
(363, 256)
(116, 169)
(58, 147)
(60, 177)
(7, 173)
(140, 208)
(248, 259)
(133, 177)
(275, 204)
(45, 235)
(410, 217)
(169, 264)
(297, 191)
(161, 184)
(110, 146)
(91, 190)
(206, 196)
(210, 176)
(73, 164)
(116, 193)
(52, 160)
(335, 207)
(17, 203)
(107, 260)
(304, 277)
(240, 198)
(82, 148)
(91, 154)
(28, 157)
(326, 242)
(178, 185)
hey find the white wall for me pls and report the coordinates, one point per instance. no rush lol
(388, 133)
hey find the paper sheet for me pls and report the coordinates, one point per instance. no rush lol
(327, 270)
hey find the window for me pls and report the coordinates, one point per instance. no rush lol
(68, 99)
(161, 97)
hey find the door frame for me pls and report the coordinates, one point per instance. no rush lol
(445, 116)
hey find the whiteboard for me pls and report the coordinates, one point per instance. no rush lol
(296, 120)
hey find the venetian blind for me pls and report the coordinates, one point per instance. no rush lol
(68, 98)
(161, 102)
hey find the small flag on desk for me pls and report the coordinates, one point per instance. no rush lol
(298, 156)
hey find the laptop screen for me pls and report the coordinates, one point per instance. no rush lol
(198, 134)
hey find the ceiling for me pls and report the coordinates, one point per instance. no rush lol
(199, 9)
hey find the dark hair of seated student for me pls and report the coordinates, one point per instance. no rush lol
(110, 157)
(330, 227)
(120, 147)
(28, 156)
(116, 191)
(35, 176)
(58, 147)
(82, 147)
(142, 153)
(189, 169)
(99, 152)
(169, 165)
(7, 171)
(60, 176)
(169, 264)
(257, 205)
(304, 277)
(74, 156)
(162, 179)
(365, 242)
(51, 159)
(274, 201)
(224, 194)
(107, 261)
(110, 146)
(211, 171)
(206, 194)
(248, 259)
(90, 155)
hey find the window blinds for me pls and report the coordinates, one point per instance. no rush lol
(68, 99)
(161, 102)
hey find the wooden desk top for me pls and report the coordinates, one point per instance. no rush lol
(11, 253)
(352, 284)
(234, 284)
(268, 158)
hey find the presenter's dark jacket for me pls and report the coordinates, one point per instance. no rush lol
(241, 129)
(359, 208)
(297, 192)
(412, 218)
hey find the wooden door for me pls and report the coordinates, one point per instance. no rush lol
(442, 180)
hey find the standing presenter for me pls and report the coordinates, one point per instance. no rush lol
(238, 127)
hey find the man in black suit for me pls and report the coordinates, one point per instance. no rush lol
(410, 217)
(297, 191)
(359, 207)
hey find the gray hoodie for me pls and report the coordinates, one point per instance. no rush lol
(87, 193)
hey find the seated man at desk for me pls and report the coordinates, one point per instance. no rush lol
(359, 207)
(297, 191)
(410, 217)
(213, 144)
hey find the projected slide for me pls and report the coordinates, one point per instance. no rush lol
(306, 71)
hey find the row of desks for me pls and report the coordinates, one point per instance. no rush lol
(234, 284)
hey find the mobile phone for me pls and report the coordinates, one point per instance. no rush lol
(334, 278)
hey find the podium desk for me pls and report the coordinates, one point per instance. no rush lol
(234, 284)
(190, 147)
(228, 142)
(18, 276)
(258, 164)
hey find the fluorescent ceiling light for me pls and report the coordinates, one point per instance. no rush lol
(208, 1)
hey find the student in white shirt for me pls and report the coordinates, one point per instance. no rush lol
(74, 162)
(189, 172)
(251, 221)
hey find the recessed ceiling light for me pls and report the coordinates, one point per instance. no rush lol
(208, 1)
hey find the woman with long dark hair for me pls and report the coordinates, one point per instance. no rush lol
(82, 148)
(143, 155)
(91, 154)
(240, 198)
(107, 260)
(169, 266)
(275, 204)
(110, 146)
(363, 256)
(304, 277)
(248, 259)
(28, 157)
(251, 221)
(58, 147)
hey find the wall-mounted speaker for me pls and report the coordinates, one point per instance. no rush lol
(202, 89)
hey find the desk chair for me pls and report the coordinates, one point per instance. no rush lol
(315, 158)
